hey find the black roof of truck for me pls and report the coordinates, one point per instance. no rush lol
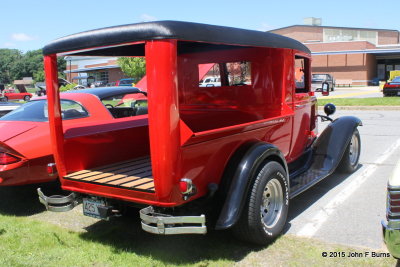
(184, 31)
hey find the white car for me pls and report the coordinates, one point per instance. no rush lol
(210, 82)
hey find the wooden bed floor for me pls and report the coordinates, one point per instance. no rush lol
(133, 174)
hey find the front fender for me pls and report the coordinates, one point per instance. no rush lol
(331, 144)
(240, 183)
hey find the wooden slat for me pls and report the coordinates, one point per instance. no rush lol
(132, 174)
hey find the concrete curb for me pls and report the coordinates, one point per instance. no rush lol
(364, 107)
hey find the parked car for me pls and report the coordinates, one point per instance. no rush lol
(237, 153)
(392, 88)
(210, 82)
(41, 87)
(25, 146)
(126, 82)
(391, 227)
(6, 107)
(318, 79)
(13, 94)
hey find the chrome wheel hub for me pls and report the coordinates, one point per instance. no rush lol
(354, 150)
(272, 203)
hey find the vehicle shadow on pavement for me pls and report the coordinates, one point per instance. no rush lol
(125, 234)
(22, 200)
(303, 201)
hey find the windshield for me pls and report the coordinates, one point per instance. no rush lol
(130, 81)
(396, 80)
(318, 76)
(37, 111)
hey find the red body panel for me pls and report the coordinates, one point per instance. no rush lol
(190, 132)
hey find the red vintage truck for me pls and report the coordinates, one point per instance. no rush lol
(234, 153)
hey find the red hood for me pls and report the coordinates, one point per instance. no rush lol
(11, 129)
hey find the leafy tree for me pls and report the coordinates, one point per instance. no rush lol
(14, 65)
(10, 63)
(134, 67)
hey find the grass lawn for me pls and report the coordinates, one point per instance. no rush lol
(372, 101)
(27, 242)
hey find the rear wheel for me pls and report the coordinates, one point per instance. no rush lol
(351, 157)
(26, 98)
(5, 99)
(265, 211)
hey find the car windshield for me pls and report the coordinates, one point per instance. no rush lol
(396, 79)
(37, 111)
(126, 100)
(130, 81)
(318, 76)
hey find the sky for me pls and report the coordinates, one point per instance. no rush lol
(29, 25)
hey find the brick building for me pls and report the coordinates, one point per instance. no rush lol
(359, 54)
(84, 70)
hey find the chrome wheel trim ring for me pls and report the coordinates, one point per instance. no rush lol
(354, 150)
(272, 203)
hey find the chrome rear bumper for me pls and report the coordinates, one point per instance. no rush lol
(163, 224)
(391, 236)
(58, 203)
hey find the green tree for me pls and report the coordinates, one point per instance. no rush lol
(134, 67)
(10, 65)
(14, 65)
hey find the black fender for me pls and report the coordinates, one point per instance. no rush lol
(241, 171)
(330, 146)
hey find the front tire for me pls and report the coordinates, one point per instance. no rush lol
(266, 208)
(351, 157)
(26, 98)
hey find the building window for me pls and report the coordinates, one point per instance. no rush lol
(346, 35)
(99, 76)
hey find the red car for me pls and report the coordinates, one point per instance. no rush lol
(25, 148)
(12, 94)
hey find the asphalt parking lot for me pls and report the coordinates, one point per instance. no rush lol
(348, 209)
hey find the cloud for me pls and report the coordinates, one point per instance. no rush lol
(22, 37)
(147, 17)
(265, 27)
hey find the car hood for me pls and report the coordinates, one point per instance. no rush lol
(11, 129)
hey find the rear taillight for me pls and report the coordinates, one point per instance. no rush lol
(393, 203)
(7, 159)
(51, 168)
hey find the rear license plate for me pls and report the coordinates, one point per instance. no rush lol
(91, 207)
(398, 93)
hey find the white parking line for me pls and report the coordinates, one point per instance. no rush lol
(323, 214)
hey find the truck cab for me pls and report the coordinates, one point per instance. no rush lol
(234, 153)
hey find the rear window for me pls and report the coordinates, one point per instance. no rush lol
(37, 111)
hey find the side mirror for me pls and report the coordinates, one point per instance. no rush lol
(325, 89)
(329, 109)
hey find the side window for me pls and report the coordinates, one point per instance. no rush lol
(301, 74)
(225, 74)
(72, 110)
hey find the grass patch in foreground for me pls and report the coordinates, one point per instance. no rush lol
(370, 101)
(27, 242)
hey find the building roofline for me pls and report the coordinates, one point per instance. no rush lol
(334, 27)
